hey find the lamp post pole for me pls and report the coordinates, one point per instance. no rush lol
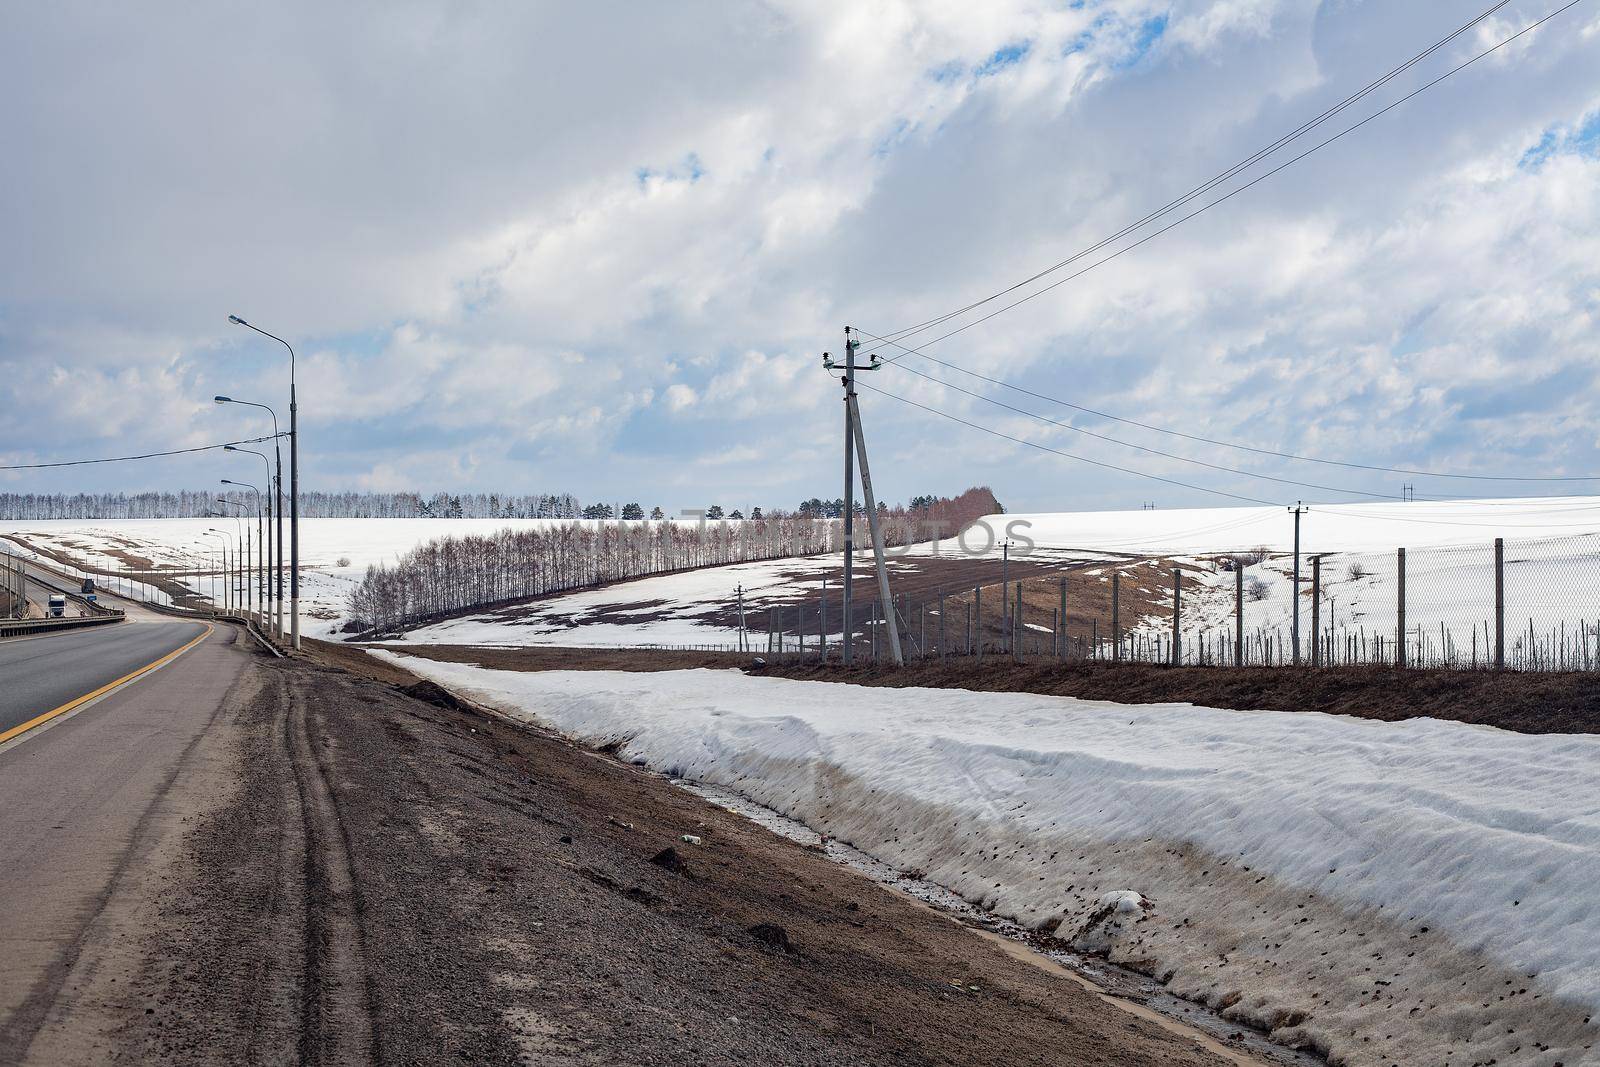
(239, 533)
(258, 580)
(294, 486)
(227, 577)
(277, 498)
(214, 533)
(272, 503)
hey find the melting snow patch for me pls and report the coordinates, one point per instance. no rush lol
(1384, 893)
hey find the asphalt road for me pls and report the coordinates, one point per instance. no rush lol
(41, 584)
(46, 671)
(82, 797)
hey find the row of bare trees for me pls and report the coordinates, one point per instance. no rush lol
(314, 504)
(456, 573)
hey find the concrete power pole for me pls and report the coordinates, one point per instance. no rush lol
(856, 447)
(849, 515)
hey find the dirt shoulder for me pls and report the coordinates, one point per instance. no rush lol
(411, 881)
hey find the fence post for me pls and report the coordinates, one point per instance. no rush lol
(1177, 613)
(1316, 611)
(1238, 614)
(822, 624)
(1499, 603)
(1061, 641)
(1116, 621)
(874, 631)
(942, 647)
(1400, 633)
(977, 621)
(1016, 628)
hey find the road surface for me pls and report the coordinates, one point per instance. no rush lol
(77, 792)
(47, 671)
(41, 584)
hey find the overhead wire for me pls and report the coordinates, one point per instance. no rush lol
(1216, 180)
(920, 349)
(1233, 192)
(1066, 455)
(145, 455)
(1156, 451)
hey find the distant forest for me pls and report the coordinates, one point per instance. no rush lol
(193, 503)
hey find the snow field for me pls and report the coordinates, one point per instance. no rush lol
(1388, 893)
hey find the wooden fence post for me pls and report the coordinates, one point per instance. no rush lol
(1116, 621)
(1061, 650)
(943, 654)
(1500, 604)
(977, 619)
(1316, 611)
(1177, 614)
(1400, 630)
(1016, 628)
(1238, 614)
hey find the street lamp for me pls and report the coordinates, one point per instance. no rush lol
(277, 493)
(294, 485)
(243, 551)
(219, 533)
(261, 555)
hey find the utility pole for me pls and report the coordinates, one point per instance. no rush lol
(853, 429)
(849, 490)
(1298, 509)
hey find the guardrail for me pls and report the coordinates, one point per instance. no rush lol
(13, 627)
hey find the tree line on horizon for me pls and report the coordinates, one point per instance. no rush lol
(314, 504)
(318, 504)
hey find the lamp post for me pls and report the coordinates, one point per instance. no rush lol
(277, 493)
(219, 533)
(259, 580)
(240, 551)
(294, 486)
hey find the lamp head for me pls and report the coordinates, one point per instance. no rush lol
(237, 321)
(229, 448)
(223, 399)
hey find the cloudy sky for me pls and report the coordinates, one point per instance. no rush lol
(599, 248)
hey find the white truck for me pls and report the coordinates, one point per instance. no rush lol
(58, 605)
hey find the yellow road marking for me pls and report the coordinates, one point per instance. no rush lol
(103, 690)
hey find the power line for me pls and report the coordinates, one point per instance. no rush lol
(124, 459)
(1229, 444)
(1230, 194)
(920, 350)
(1204, 187)
(1155, 451)
(1059, 452)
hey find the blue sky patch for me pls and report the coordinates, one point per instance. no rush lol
(1009, 56)
(1581, 140)
(1149, 33)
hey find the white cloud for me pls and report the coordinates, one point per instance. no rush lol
(521, 236)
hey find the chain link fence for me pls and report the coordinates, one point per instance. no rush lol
(1522, 605)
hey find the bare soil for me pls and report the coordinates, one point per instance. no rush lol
(1526, 702)
(919, 583)
(142, 568)
(402, 878)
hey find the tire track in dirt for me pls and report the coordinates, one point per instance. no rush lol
(336, 991)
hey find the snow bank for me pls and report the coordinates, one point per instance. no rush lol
(1389, 893)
